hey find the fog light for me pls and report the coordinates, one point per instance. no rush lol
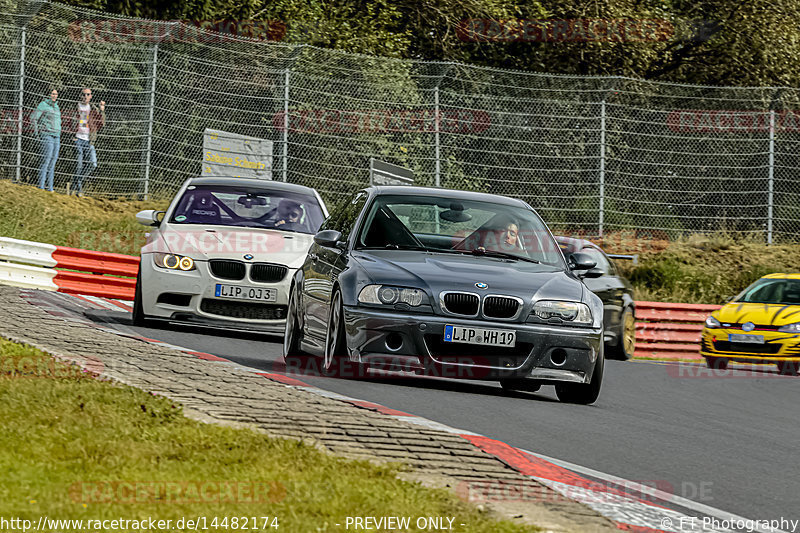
(558, 357)
(394, 342)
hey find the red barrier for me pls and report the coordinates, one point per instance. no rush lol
(95, 285)
(101, 274)
(670, 331)
(97, 262)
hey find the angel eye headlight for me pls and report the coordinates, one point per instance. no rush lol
(173, 262)
(574, 312)
(186, 263)
(389, 295)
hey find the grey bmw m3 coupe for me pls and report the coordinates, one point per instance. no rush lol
(447, 283)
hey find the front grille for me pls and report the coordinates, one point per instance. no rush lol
(267, 273)
(746, 347)
(247, 310)
(461, 303)
(475, 354)
(500, 307)
(225, 269)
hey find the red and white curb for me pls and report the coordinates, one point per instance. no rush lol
(617, 499)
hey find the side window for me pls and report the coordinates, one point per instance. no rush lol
(343, 217)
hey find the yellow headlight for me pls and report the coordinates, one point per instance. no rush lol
(186, 263)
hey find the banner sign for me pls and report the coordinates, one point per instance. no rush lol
(236, 156)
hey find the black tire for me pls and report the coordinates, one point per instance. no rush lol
(626, 342)
(717, 363)
(138, 318)
(584, 393)
(788, 368)
(335, 357)
(525, 385)
(293, 355)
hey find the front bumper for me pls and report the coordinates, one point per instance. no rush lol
(191, 300)
(777, 347)
(411, 341)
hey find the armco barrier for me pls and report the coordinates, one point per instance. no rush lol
(98, 273)
(670, 331)
(663, 330)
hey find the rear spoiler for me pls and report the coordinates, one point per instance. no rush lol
(634, 258)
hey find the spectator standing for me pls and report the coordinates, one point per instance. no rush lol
(90, 119)
(47, 129)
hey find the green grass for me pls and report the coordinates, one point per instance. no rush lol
(62, 427)
(32, 214)
(707, 268)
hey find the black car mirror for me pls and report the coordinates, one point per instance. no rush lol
(328, 238)
(581, 261)
(595, 272)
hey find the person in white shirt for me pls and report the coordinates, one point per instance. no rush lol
(90, 119)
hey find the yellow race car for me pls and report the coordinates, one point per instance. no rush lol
(761, 325)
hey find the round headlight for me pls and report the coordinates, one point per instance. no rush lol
(388, 295)
(186, 263)
(171, 261)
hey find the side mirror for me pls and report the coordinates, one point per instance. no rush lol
(595, 272)
(328, 238)
(149, 217)
(580, 261)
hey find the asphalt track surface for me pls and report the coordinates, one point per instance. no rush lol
(729, 441)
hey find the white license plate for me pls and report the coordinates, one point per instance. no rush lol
(240, 292)
(748, 339)
(485, 337)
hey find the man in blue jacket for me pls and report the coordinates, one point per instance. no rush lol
(47, 128)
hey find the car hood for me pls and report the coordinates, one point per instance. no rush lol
(759, 314)
(448, 272)
(221, 242)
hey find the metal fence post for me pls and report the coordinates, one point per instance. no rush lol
(771, 174)
(148, 156)
(20, 109)
(286, 125)
(602, 167)
(436, 126)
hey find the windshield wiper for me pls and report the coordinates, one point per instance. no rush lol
(406, 247)
(505, 255)
(481, 251)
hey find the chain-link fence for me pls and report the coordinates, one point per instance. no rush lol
(590, 153)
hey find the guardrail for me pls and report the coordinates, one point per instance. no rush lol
(670, 331)
(36, 265)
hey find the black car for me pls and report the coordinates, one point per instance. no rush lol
(450, 283)
(604, 280)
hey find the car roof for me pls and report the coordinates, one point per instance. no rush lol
(252, 182)
(573, 244)
(782, 275)
(406, 190)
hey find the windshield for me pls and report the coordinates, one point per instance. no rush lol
(458, 226)
(248, 207)
(772, 291)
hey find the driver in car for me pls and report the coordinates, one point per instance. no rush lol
(504, 238)
(289, 213)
